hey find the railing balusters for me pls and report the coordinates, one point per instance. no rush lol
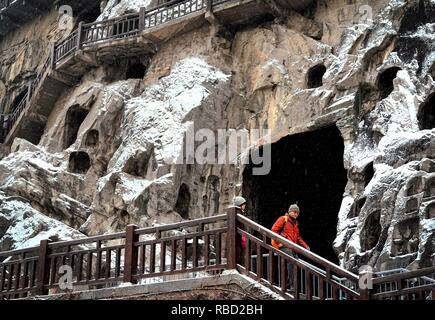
(271, 271)
(89, 267)
(98, 261)
(283, 275)
(174, 255)
(296, 283)
(206, 250)
(259, 266)
(80, 267)
(17, 276)
(131, 253)
(195, 252)
(153, 258)
(43, 268)
(321, 289)
(162, 256)
(218, 248)
(118, 263)
(24, 279)
(108, 264)
(53, 272)
(308, 286)
(142, 259)
(184, 254)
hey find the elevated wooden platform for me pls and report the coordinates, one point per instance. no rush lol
(108, 41)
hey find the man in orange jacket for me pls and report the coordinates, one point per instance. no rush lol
(288, 227)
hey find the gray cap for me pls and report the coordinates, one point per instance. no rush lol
(238, 201)
(293, 207)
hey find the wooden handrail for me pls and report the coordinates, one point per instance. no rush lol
(404, 275)
(44, 259)
(106, 237)
(184, 224)
(117, 19)
(303, 265)
(18, 251)
(298, 249)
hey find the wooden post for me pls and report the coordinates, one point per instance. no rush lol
(53, 56)
(364, 294)
(209, 7)
(141, 19)
(43, 270)
(131, 254)
(79, 35)
(231, 238)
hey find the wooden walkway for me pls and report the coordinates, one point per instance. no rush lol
(207, 245)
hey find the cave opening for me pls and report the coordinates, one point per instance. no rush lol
(371, 231)
(79, 162)
(137, 164)
(92, 138)
(426, 114)
(356, 208)
(315, 76)
(183, 201)
(405, 237)
(90, 13)
(430, 188)
(369, 172)
(385, 81)
(415, 186)
(430, 211)
(306, 168)
(74, 119)
(135, 71)
(18, 99)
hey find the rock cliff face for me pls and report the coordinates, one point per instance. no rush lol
(346, 90)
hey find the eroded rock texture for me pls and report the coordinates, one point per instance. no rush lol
(347, 91)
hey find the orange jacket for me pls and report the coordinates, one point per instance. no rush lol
(288, 228)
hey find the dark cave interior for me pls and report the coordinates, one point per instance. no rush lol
(306, 168)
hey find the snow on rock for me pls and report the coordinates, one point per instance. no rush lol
(159, 113)
(139, 179)
(22, 226)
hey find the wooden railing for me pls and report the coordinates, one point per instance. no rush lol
(402, 284)
(129, 256)
(313, 276)
(66, 47)
(172, 10)
(208, 245)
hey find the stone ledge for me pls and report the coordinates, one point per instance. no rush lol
(130, 291)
